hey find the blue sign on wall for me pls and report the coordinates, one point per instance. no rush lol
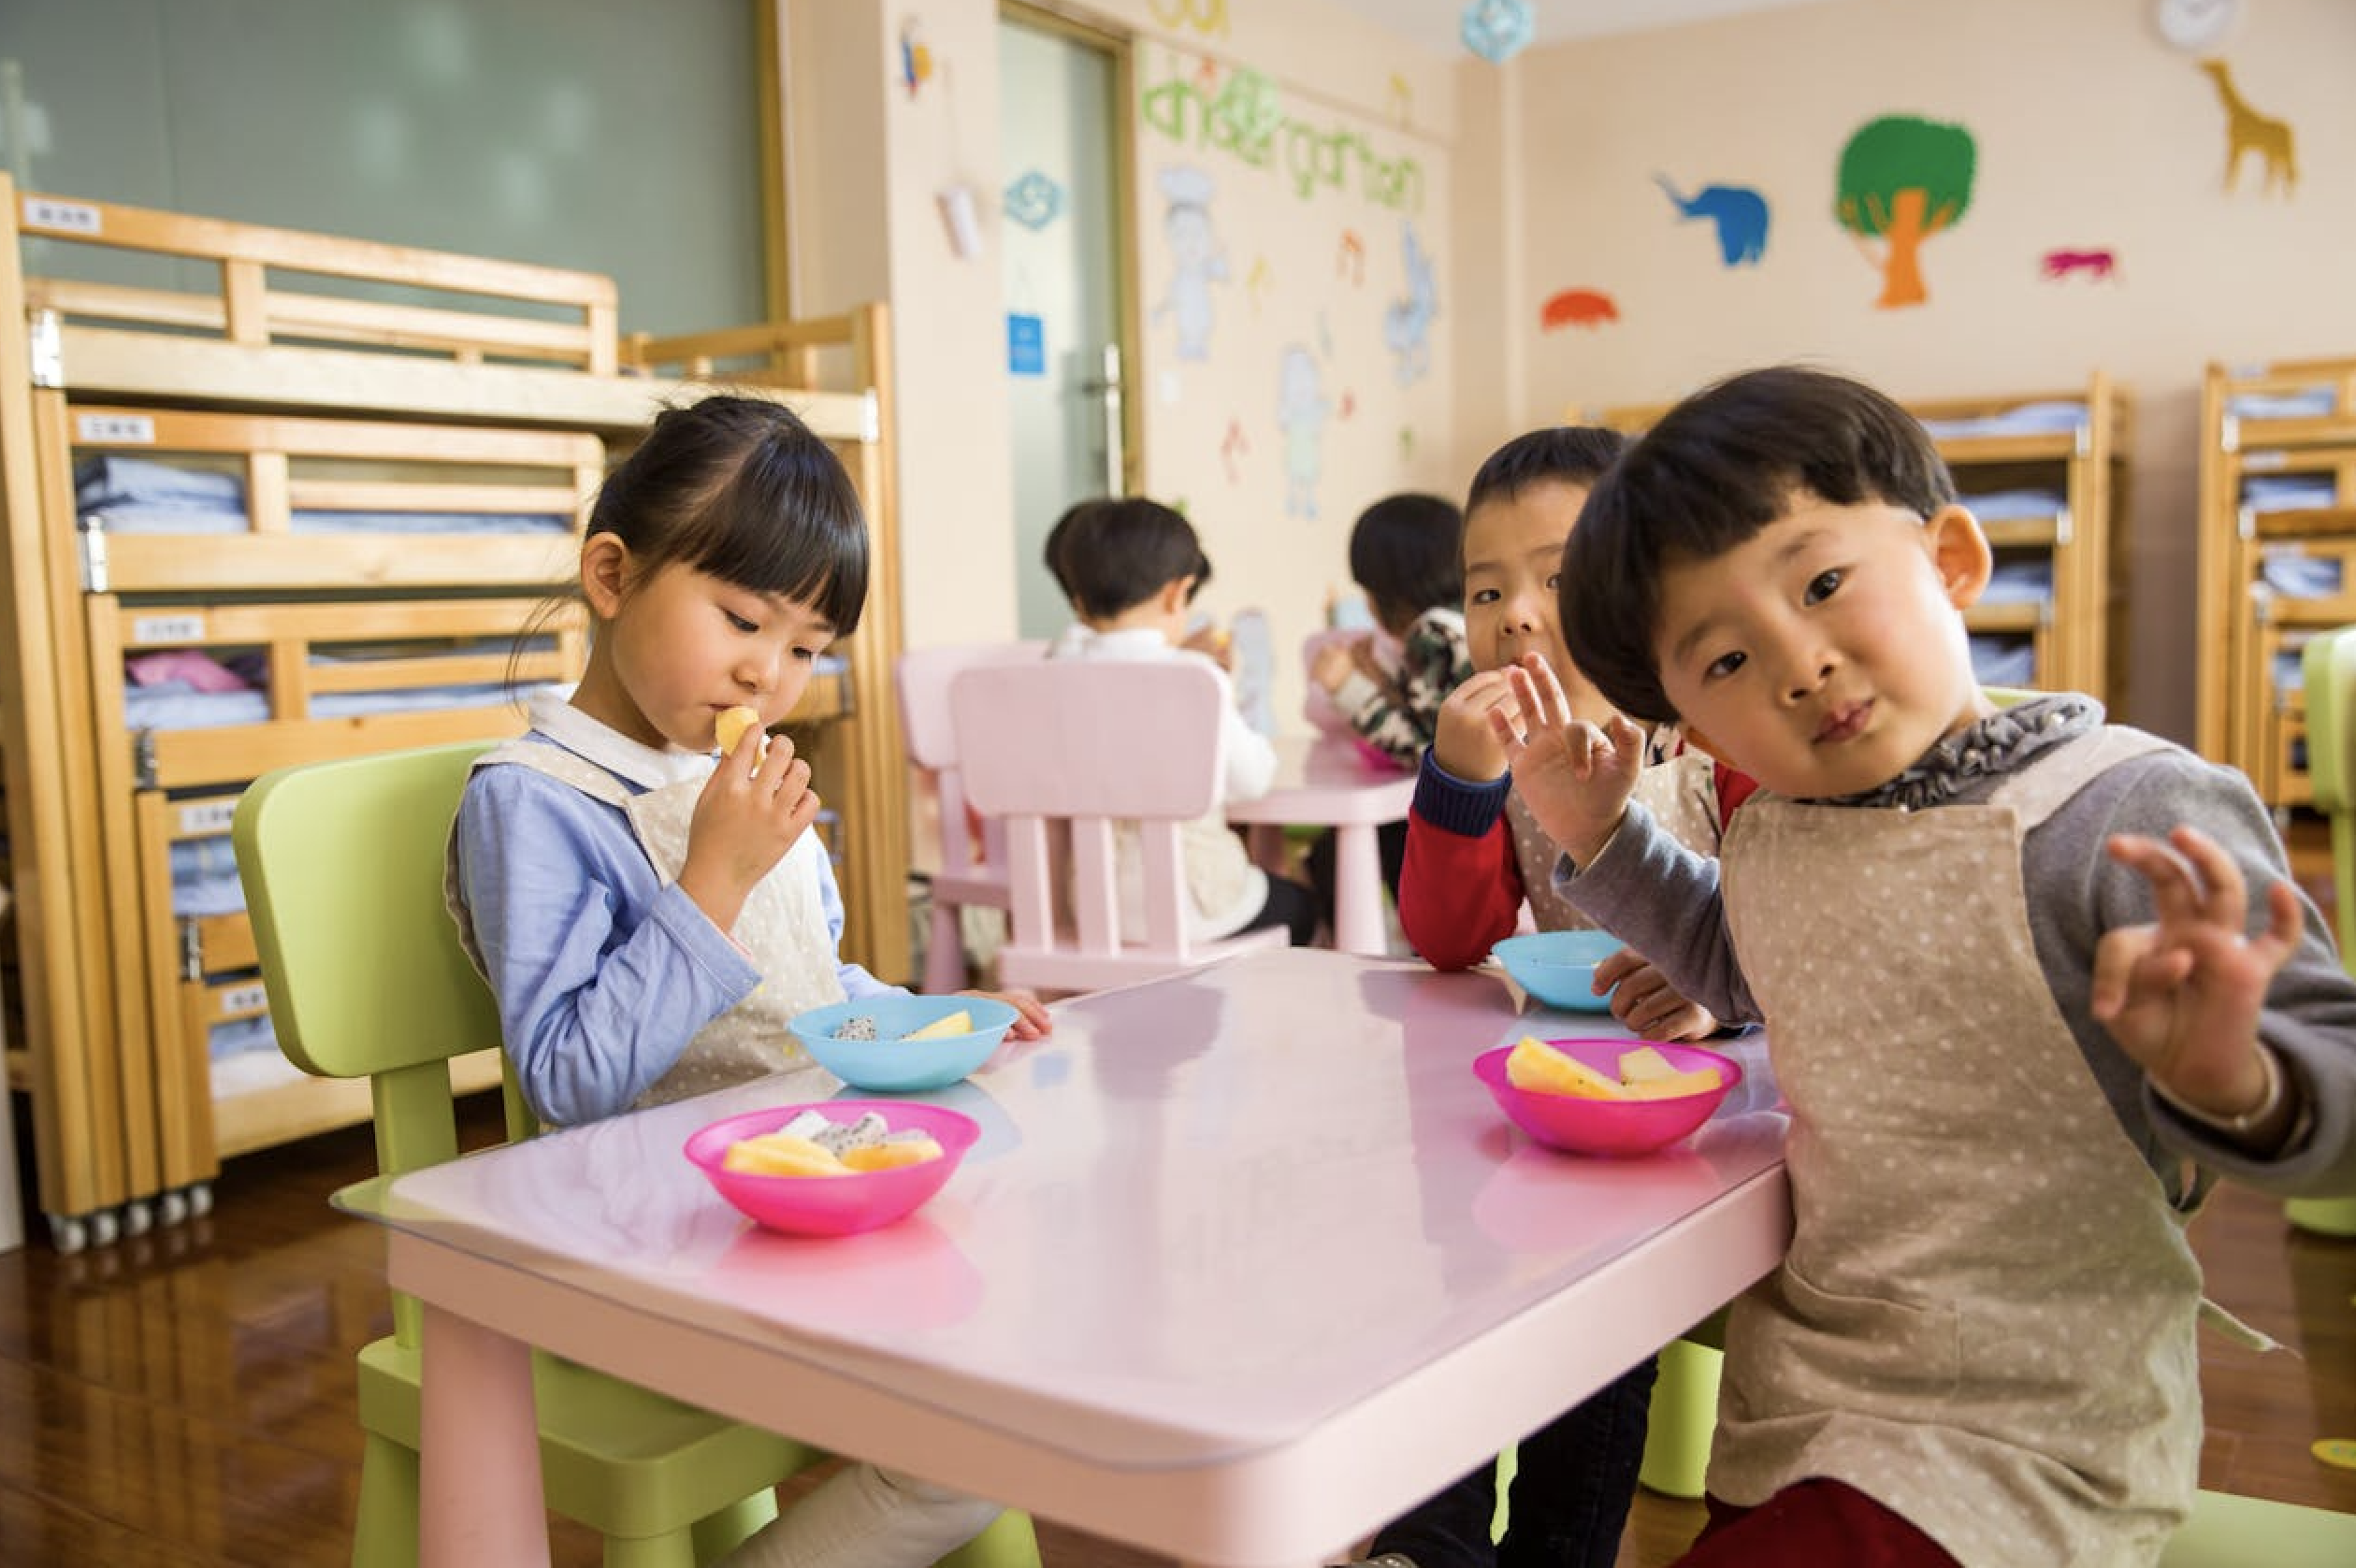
(1026, 345)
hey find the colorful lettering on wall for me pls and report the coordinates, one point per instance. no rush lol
(1207, 17)
(1496, 30)
(1901, 180)
(1244, 119)
(1231, 447)
(2247, 131)
(1301, 412)
(1738, 211)
(1033, 200)
(915, 59)
(1258, 282)
(2102, 266)
(1197, 259)
(1589, 307)
(1406, 323)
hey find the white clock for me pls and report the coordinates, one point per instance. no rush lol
(2196, 27)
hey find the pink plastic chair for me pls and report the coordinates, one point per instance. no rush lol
(972, 871)
(1062, 751)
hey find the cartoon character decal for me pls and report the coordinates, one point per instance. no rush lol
(1739, 212)
(1406, 323)
(1301, 412)
(1197, 258)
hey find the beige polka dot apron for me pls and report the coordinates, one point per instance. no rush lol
(1681, 793)
(783, 926)
(1986, 1319)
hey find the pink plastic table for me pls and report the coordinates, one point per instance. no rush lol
(1245, 1263)
(1325, 782)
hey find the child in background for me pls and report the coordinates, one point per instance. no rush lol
(1472, 851)
(2013, 986)
(1407, 553)
(649, 921)
(1130, 568)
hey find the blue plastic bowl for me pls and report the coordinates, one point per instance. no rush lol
(1558, 967)
(891, 1064)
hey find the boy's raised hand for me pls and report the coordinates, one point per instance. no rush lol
(2182, 994)
(752, 809)
(1574, 777)
(1462, 740)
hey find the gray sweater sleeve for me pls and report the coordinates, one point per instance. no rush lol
(2077, 892)
(1661, 898)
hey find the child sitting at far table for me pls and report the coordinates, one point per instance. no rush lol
(2012, 983)
(1130, 568)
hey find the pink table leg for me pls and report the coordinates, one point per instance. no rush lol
(1358, 923)
(480, 1498)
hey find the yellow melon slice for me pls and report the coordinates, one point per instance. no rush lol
(1539, 1067)
(782, 1154)
(959, 1022)
(730, 728)
(889, 1156)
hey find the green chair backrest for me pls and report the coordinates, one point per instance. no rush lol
(2327, 669)
(342, 867)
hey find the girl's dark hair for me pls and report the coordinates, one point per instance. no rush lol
(1564, 453)
(1406, 551)
(1114, 554)
(1718, 468)
(740, 488)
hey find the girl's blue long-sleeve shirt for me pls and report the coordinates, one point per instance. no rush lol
(603, 970)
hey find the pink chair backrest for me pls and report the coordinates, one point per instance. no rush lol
(923, 676)
(1077, 747)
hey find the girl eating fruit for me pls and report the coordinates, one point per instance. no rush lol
(648, 918)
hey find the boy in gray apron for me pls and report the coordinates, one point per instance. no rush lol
(2031, 983)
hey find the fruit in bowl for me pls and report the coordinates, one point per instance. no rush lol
(832, 1168)
(1558, 967)
(903, 1045)
(1606, 1096)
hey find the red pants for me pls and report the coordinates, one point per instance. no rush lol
(1808, 1525)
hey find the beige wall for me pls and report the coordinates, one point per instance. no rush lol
(2091, 132)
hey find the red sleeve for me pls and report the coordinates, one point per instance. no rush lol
(1457, 894)
(1733, 789)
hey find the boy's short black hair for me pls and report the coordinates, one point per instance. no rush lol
(1559, 453)
(1406, 551)
(1113, 554)
(1718, 468)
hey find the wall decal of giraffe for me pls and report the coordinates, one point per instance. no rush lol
(2248, 131)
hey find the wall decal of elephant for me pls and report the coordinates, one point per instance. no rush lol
(1739, 212)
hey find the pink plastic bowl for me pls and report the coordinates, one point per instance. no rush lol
(1608, 1127)
(834, 1206)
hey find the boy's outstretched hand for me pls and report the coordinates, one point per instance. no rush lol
(1032, 1021)
(1646, 1002)
(1574, 777)
(2182, 995)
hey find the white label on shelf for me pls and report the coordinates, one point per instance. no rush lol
(2265, 459)
(115, 429)
(168, 628)
(207, 816)
(252, 997)
(76, 217)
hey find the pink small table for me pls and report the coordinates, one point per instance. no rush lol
(1326, 782)
(1245, 1263)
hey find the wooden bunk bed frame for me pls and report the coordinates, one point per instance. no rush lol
(318, 402)
(2077, 636)
(2242, 716)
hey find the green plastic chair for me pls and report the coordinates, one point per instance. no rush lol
(2328, 672)
(2229, 1531)
(342, 867)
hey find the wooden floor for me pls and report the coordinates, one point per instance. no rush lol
(185, 1398)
